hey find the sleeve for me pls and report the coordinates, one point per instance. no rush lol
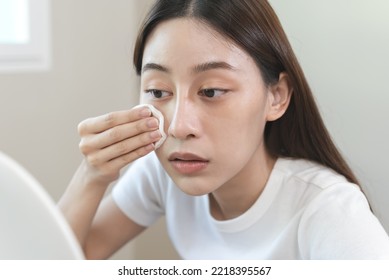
(138, 192)
(338, 224)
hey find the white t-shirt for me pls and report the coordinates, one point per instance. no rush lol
(306, 211)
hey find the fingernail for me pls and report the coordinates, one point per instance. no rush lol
(145, 112)
(155, 134)
(152, 123)
(150, 147)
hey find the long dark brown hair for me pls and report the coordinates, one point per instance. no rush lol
(254, 26)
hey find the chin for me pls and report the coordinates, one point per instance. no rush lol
(193, 186)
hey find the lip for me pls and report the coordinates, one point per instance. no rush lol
(185, 157)
(188, 163)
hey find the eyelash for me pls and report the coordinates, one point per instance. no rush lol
(153, 92)
(202, 92)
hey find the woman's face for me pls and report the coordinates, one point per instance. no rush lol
(214, 101)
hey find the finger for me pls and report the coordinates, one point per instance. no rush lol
(124, 147)
(107, 121)
(120, 162)
(117, 134)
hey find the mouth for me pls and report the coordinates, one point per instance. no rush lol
(188, 163)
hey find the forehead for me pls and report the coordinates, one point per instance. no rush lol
(187, 41)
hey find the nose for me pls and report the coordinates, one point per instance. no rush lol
(184, 123)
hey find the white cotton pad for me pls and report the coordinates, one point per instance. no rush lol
(159, 116)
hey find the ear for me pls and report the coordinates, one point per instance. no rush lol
(279, 97)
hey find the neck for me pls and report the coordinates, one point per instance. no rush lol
(240, 193)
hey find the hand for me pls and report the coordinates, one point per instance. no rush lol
(112, 141)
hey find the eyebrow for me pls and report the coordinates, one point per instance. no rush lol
(154, 66)
(212, 65)
(203, 67)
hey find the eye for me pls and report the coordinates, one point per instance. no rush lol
(212, 92)
(156, 93)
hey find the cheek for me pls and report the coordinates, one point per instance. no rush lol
(244, 134)
(245, 126)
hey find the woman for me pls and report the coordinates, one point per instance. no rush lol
(247, 171)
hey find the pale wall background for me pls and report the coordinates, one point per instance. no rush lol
(342, 45)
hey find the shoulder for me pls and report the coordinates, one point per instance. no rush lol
(148, 168)
(149, 162)
(141, 191)
(325, 187)
(335, 221)
(305, 172)
(145, 177)
(307, 185)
